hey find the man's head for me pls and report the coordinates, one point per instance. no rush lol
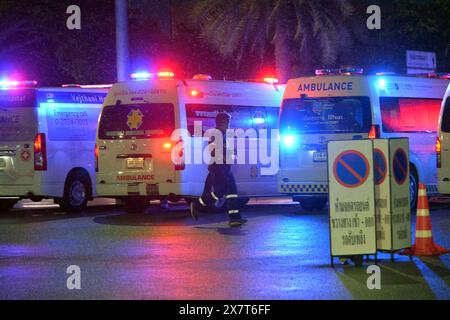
(223, 121)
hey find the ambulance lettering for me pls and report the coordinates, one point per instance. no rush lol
(333, 86)
(146, 177)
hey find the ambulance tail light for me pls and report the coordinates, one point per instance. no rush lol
(375, 132)
(438, 152)
(96, 157)
(202, 77)
(40, 152)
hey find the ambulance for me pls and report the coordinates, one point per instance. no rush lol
(135, 136)
(344, 104)
(443, 146)
(47, 139)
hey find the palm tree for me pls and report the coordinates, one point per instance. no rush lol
(301, 32)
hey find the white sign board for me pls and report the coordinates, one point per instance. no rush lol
(382, 181)
(352, 198)
(400, 194)
(421, 60)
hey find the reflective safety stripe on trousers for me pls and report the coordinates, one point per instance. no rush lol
(214, 196)
(202, 202)
(233, 211)
(231, 196)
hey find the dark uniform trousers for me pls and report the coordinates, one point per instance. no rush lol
(220, 183)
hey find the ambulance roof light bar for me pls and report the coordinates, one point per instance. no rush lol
(345, 70)
(88, 86)
(203, 77)
(15, 84)
(147, 75)
(271, 80)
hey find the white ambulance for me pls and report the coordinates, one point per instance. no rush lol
(47, 139)
(135, 132)
(344, 105)
(443, 146)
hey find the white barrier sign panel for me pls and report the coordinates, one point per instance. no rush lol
(352, 198)
(382, 176)
(400, 194)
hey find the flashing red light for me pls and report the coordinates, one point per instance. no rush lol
(374, 132)
(271, 80)
(167, 145)
(40, 152)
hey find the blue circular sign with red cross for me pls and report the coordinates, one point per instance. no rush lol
(379, 166)
(400, 166)
(351, 169)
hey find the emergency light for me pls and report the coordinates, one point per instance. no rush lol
(147, 75)
(289, 140)
(271, 80)
(203, 77)
(141, 76)
(346, 71)
(14, 84)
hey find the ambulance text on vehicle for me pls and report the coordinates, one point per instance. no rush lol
(134, 140)
(47, 139)
(344, 106)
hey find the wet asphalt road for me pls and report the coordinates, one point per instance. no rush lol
(283, 253)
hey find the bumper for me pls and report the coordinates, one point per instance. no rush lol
(318, 188)
(137, 189)
(444, 187)
(22, 191)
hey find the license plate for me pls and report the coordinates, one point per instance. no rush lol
(319, 156)
(135, 163)
(2, 163)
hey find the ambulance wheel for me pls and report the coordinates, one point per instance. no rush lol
(7, 205)
(76, 192)
(413, 187)
(136, 204)
(313, 203)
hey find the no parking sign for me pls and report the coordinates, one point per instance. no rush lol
(392, 194)
(352, 198)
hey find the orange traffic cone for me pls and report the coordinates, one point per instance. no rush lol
(424, 245)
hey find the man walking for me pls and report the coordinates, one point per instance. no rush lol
(221, 179)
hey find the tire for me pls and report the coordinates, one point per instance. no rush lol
(413, 187)
(76, 192)
(7, 205)
(136, 205)
(313, 203)
(358, 261)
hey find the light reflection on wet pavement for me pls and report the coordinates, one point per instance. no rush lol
(283, 253)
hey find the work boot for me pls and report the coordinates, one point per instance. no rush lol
(236, 220)
(193, 210)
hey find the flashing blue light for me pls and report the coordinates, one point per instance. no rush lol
(141, 75)
(289, 141)
(382, 83)
(259, 120)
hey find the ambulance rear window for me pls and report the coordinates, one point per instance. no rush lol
(326, 115)
(446, 117)
(18, 116)
(410, 114)
(137, 121)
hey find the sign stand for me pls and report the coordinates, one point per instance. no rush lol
(352, 200)
(391, 169)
